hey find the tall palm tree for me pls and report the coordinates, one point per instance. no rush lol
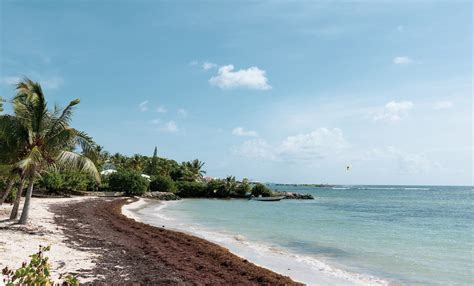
(48, 139)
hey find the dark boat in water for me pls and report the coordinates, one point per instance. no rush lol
(267, 199)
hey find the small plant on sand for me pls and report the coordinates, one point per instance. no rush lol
(37, 272)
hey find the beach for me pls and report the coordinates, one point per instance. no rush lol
(90, 238)
(336, 239)
(17, 242)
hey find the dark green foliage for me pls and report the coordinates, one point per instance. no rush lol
(52, 182)
(132, 183)
(243, 188)
(153, 167)
(188, 189)
(11, 197)
(261, 189)
(66, 182)
(162, 184)
(217, 188)
(76, 181)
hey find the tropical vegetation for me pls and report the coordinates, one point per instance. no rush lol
(39, 150)
(36, 140)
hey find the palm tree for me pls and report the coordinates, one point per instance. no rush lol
(49, 140)
(195, 167)
(13, 145)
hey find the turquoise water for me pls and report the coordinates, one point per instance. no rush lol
(412, 235)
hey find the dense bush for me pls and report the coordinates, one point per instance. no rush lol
(76, 181)
(261, 189)
(51, 181)
(243, 188)
(162, 184)
(188, 189)
(65, 182)
(132, 183)
(217, 188)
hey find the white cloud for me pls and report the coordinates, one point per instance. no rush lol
(317, 144)
(143, 106)
(208, 65)
(402, 60)
(161, 109)
(257, 149)
(240, 131)
(251, 78)
(169, 126)
(182, 113)
(443, 105)
(411, 163)
(393, 111)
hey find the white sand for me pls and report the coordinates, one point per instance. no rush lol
(18, 242)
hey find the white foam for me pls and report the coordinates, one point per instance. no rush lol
(306, 269)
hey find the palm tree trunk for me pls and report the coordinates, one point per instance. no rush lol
(16, 205)
(7, 190)
(26, 205)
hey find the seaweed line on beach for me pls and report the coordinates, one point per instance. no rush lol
(133, 252)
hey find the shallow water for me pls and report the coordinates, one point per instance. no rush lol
(411, 235)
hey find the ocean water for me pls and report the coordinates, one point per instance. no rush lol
(348, 235)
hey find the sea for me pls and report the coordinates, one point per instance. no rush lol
(347, 235)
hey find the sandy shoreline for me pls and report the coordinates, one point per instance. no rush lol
(91, 238)
(18, 242)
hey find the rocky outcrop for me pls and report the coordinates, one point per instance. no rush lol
(295, 196)
(163, 196)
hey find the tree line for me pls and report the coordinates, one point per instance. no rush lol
(39, 149)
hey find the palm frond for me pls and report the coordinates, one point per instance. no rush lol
(68, 159)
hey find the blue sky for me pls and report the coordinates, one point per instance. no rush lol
(274, 91)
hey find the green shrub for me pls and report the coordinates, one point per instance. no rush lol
(37, 272)
(51, 181)
(217, 188)
(243, 188)
(162, 184)
(66, 182)
(261, 189)
(187, 189)
(132, 183)
(75, 181)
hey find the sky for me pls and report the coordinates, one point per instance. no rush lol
(275, 91)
